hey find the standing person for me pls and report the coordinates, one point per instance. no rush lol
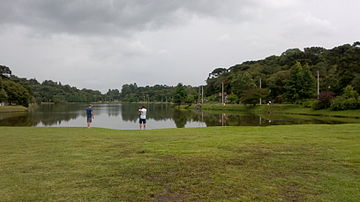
(89, 115)
(142, 117)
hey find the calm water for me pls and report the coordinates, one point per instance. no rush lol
(125, 116)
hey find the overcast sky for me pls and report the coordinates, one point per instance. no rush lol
(105, 44)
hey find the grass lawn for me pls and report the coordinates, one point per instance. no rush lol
(277, 163)
(17, 108)
(277, 108)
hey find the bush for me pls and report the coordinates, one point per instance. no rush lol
(324, 100)
(352, 103)
(308, 103)
(341, 103)
(233, 99)
(316, 105)
(349, 100)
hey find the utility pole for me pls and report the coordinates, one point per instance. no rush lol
(318, 84)
(222, 93)
(199, 98)
(260, 88)
(202, 94)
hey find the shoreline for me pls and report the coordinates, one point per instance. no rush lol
(275, 109)
(10, 109)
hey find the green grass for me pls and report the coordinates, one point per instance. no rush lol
(298, 109)
(277, 163)
(277, 108)
(17, 108)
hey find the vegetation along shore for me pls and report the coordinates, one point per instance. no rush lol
(273, 109)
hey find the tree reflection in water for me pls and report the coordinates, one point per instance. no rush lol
(125, 116)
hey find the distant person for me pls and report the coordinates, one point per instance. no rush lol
(89, 115)
(142, 117)
(269, 106)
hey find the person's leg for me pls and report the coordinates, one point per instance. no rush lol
(89, 120)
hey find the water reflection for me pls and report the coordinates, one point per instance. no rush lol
(125, 116)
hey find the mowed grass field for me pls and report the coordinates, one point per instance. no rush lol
(277, 163)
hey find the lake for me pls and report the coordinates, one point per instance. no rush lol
(125, 116)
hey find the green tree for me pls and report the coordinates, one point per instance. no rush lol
(17, 94)
(233, 99)
(348, 100)
(4, 71)
(252, 96)
(180, 94)
(301, 83)
(349, 92)
(356, 83)
(3, 96)
(241, 83)
(276, 83)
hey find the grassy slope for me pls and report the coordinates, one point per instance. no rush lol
(290, 163)
(281, 108)
(12, 109)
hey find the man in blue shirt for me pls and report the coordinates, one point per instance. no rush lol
(89, 115)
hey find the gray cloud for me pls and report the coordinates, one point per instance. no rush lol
(114, 16)
(103, 44)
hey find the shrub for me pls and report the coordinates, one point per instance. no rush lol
(349, 100)
(316, 105)
(337, 104)
(341, 103)
(352, 103)
(308, 103)
(324, 100)
(233, 99)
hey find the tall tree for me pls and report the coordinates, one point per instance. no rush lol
(242, 82)
(180, 94)
(16, 93)
(3, 95)
(301, 83)
(4, 71)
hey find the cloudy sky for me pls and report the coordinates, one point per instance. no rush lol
(105, 44)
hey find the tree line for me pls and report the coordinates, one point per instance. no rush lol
(288, 78)
(292, 78)
(22, 91)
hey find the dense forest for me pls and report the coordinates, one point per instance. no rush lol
(288, 78)
(292, 78)
(21, 91)
(159, 93)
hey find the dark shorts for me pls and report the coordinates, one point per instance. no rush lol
(142, 121)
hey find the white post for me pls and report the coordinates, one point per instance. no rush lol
(202, 94)
(199, 98)
(222, 93)
(318, 84)
(260, 88)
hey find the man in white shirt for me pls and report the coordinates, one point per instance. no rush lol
(142, 117)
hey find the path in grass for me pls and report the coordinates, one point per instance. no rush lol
(289, 163)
